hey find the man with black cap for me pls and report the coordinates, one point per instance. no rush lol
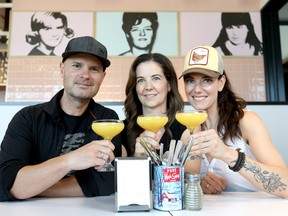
(50, 149)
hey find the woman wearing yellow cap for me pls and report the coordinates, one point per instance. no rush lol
(235, 145)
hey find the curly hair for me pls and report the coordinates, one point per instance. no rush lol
(231, 110)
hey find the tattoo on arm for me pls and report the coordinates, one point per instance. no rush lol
(271, 181)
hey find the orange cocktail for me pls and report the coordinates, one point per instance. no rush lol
(107, 128)
(191, 119)
(152, 122)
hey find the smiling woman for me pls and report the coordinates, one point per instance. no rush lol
(152, 88)
(235, 148)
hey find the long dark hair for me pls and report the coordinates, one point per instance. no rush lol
(133, 106)
(231, 110)
(230, 19)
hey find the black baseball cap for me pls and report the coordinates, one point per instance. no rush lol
(88, 45)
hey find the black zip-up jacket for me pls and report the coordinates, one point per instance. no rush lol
(35, 134)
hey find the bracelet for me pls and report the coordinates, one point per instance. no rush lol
(240, 161)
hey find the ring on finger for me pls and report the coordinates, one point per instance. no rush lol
(205, 139)
(102, 155)
(207, 186)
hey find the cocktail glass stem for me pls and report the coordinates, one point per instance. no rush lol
(108, 167)
(195, 157)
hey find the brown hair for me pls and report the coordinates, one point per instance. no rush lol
(133, 106)
(230, 110)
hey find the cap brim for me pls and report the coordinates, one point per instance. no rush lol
(206, 72)
(104, 61)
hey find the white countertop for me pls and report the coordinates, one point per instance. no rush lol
(230, 204)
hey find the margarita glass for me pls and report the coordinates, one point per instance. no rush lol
(108, 129)
(191, 119)
(152, 122)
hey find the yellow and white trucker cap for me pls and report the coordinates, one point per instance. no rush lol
(203, 59)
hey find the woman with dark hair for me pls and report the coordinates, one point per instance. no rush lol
(235, 145)
(152, 88)
(48, 30)
(140, 31)
(237, 36)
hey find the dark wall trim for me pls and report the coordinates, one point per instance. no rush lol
(275, 85)
(284, 23)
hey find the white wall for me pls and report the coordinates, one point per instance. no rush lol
(274, 116)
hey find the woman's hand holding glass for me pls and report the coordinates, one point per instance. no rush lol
(152, 140)
(208, 142)
(153, 125)
(191, 119)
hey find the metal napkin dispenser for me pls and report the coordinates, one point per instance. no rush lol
(132, 184)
